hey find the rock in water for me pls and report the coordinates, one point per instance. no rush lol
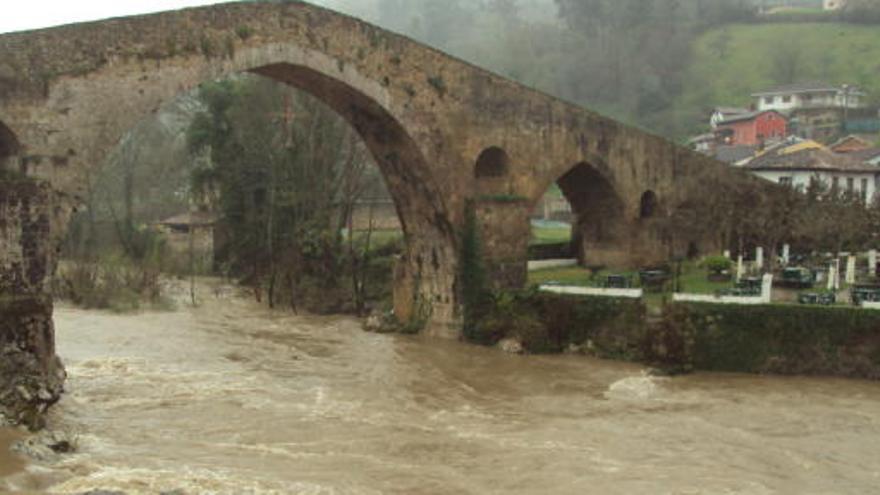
(373, 323)
(47, 445)
(512, 346)
(27, 389)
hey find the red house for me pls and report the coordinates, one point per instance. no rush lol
(753, 129)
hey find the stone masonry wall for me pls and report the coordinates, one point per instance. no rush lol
(31, 376)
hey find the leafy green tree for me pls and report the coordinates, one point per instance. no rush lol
(280, 165)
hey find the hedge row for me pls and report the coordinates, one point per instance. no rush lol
(800, 340)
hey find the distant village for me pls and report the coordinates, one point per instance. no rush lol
(801, 134)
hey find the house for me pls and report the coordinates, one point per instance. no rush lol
(752, 129)
(815, 110)
(801, 165)
(721, 114)
(849, 144)
(830, 5)
(191, 232)
(810, 95)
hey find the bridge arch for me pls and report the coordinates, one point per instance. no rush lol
(491, 171)
(598, 211)
(427, 269)
(493, 162)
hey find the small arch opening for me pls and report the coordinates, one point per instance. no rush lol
(648, 205)
(492, 163)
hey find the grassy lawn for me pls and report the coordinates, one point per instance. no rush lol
(574, 276)
(693, 278)
(550, 235)
(694, 281)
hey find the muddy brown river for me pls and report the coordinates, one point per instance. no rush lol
(229, 398)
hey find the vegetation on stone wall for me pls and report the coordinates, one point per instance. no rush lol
(791, 340)
(547, 323)
(475, 295)
(801, 340)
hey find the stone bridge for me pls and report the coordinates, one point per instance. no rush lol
(443, 132)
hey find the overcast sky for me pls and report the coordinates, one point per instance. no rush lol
(20, 15)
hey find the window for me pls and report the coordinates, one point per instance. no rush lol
(864, 189)
(835, 183)
(785, 181)
(850, 185)
(786, 99)
(768, 100)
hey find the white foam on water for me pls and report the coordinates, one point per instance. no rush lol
(634, 388)
(202, 481)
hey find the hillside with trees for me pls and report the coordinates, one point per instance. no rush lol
(658, 64)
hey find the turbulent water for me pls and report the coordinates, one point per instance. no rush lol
(229, 398)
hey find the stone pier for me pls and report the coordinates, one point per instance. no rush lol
(31, 376)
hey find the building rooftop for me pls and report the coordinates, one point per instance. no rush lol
(748, 116)
(855, 143)
(734, 154)
(805, 87)
(809, 159)
(731, 110)
(865, 155)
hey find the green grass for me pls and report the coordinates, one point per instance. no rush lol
(574, 276)
(694, 281)
(693, 278)
(725, 73)
(545, 235)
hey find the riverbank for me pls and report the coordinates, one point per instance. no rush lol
(684, 337)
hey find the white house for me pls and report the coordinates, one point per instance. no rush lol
(808, 96)
(801, 164)
(834, 4)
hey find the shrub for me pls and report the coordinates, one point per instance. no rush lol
(717, 264)
(111, 282)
